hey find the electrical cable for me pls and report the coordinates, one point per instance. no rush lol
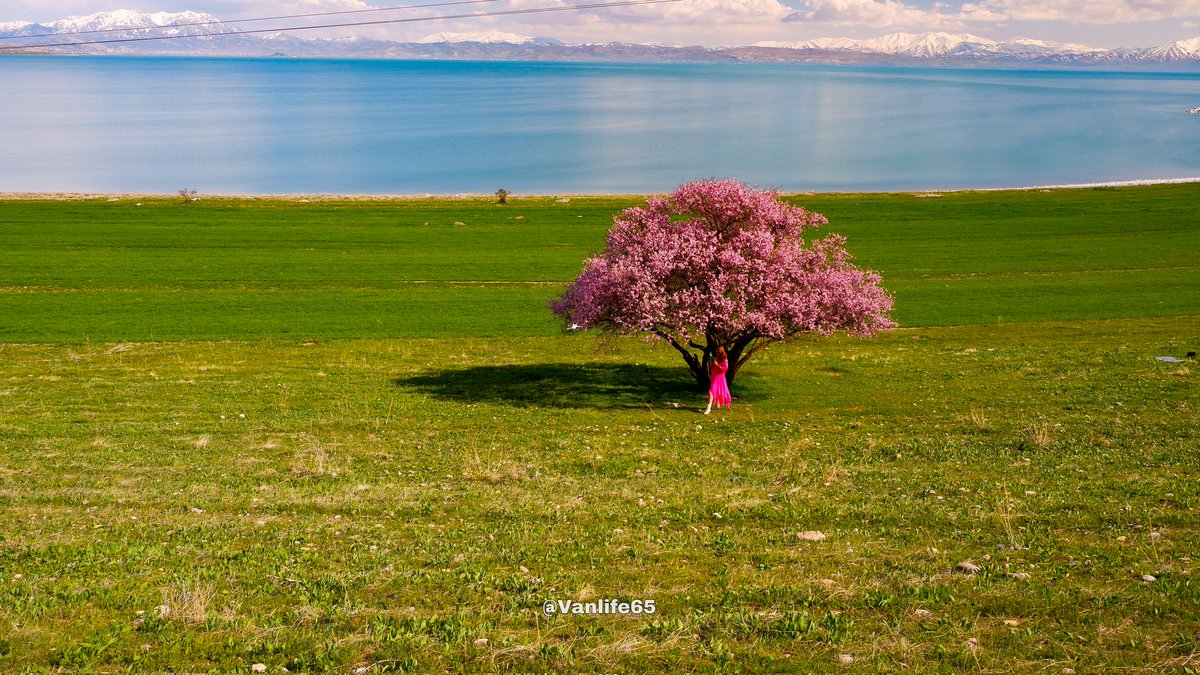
(262, 18)
(510, 12)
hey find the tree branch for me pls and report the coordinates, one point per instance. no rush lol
(762, 344)
(693, 363)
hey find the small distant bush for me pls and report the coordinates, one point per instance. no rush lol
(188, 195)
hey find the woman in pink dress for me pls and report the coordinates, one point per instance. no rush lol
(718, 389)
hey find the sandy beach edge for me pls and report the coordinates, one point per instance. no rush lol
(300, 198)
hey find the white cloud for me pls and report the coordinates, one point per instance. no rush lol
(333, 5)
(708, 12)
(944, 16)
(872, 13)
(1080, 11)
(709, 22)
(686, 22)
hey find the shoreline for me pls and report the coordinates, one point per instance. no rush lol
(308, 197)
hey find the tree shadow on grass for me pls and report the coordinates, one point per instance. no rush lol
(560, 385)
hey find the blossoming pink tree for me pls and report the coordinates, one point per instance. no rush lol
(718, 263)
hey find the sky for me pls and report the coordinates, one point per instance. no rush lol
(1096, 23)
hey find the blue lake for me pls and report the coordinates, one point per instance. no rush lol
(137, 124)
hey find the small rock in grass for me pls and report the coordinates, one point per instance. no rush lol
(1023, 576)
(1155, 535)
(524, 569)
(259, 667)
(845, 659)
(923, 613)
(1148, 578)
(966, 567)
(196, 509)
(481, 642)
(1121, 538)
(1012, 623)
(1068, 671)
(810, 535)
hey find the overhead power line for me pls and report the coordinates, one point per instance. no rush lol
(260, 18)
(476, 15)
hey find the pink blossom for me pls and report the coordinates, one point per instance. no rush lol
(720, 263)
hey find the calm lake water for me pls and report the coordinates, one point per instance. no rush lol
(133, 124)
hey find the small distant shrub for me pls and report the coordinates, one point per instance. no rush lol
(501, 196)
(188, 195)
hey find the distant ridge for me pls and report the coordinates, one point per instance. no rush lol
(895, 48)
(941, 45)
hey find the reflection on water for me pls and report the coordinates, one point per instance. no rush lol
(375, 127)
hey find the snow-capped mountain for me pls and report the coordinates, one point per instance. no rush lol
(117, 32)
(939, 45)
(1180, 50)
(128, 18)
(926, 44)
(492, 37)
(123, 23)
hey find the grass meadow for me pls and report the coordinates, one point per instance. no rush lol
(347, 436)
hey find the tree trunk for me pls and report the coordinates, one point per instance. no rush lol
(739, 350)
(734, 367)
(734, 351)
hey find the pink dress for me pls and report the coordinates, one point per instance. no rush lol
(718, 387)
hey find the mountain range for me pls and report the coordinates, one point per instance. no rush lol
(208, 36)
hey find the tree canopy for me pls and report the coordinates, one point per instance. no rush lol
(717, 263)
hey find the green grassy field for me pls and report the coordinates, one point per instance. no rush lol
(347, 435)
(255, 269)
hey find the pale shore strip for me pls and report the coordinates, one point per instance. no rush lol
(114, 196)
(1071, 186)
